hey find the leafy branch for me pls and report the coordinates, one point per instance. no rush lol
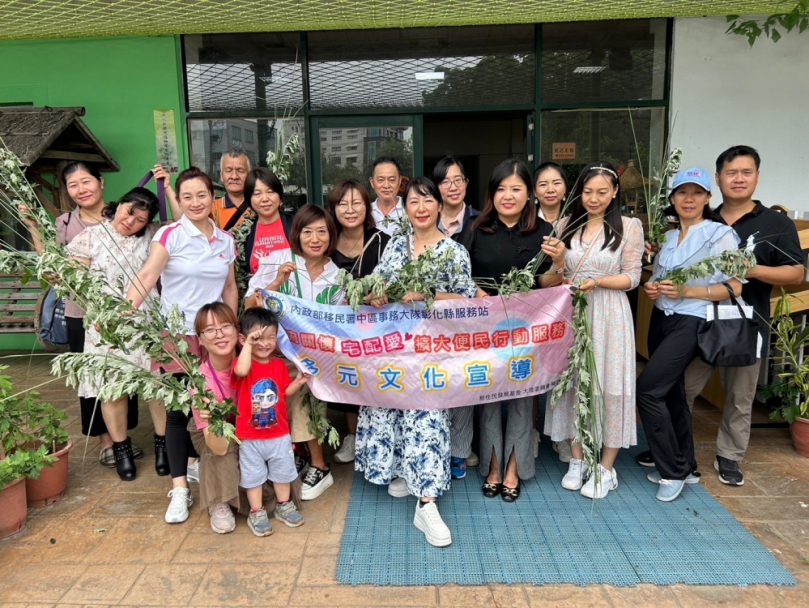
(582, 376)
(792, 387)
(735, 263)
(421, 275)
(119, 324)
(319, 424)
(753, 29)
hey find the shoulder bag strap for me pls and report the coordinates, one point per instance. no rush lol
(733, 301)
(240, 211)
(586, 253)
(297, 276)
(161, 194)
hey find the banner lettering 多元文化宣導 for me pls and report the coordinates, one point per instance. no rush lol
(458, 352)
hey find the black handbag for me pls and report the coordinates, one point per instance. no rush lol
(728, 342)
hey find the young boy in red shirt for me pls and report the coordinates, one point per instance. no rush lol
(262, 384)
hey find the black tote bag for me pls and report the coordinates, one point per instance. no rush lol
(728, 342)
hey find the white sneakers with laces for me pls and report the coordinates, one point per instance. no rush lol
(181, 501)
(576, 473)
(428, 520)
(222, 520)
(608, 481)
(346, 452)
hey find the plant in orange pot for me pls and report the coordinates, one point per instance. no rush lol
(792, 373)
(28, 424)
(14, 468)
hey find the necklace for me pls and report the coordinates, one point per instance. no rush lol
(351, 249)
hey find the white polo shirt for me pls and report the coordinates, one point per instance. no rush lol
(390, 222)
(197, 269)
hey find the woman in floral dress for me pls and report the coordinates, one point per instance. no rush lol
(604, 260)
(409, 450)
(117, 248)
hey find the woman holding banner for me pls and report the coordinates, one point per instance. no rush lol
(603, 259)
(358, 251)
(306, 271)
(409, 450)
(510, 235)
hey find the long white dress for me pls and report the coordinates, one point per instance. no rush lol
(613, 336)
(117, 258)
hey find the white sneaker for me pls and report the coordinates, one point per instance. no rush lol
(537, 441)
(473, 460)
(193, 472)
(608, 481)
(222, 520)
(181, 501)
(563, 449)
(398, 488)
(346, 452)
(576, 472)
(428, 520)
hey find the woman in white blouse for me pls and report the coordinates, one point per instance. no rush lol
(306, 271)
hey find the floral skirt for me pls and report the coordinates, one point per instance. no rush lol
(411, 444)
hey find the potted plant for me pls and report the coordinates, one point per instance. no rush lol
(29, 425)
(791, 388)
(14, 468)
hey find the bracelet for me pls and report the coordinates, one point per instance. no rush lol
(596, 282)
(708, 297)
(558, 270)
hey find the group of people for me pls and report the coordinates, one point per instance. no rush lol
(584, 240)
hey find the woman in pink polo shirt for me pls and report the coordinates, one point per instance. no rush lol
(194, 261)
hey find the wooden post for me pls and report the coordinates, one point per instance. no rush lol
(61, 199)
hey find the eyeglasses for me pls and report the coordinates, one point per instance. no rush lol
(343, 206)
(457, 182)
(226, 330)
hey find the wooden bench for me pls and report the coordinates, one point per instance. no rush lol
(19, 305)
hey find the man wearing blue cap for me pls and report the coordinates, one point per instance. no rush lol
(779, 261)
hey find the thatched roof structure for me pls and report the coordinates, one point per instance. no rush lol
(43, 137)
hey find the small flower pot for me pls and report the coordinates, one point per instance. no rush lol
(13, 509)
(52, 481)
(800, 436)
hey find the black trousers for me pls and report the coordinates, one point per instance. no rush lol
(661, 397)
(179, 447)
(92, 422)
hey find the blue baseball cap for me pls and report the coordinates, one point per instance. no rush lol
(695, 175)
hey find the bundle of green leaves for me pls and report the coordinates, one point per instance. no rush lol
(581, 376)
(119, 324)
(421, 275)
(734, 263)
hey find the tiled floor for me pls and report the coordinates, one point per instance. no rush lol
(106, 543)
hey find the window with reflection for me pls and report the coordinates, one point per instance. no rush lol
(603, 61)
(243, 72)
(633, 144)
(422, 67)
(258, 138)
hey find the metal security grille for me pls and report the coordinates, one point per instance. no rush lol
(245, 72)
(420, 67)
(73, 18)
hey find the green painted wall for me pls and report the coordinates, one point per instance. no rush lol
(120, 82)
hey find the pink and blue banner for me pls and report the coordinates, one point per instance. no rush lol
(459, 352)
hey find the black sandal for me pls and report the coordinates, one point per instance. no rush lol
(491, 490)
(510, 494)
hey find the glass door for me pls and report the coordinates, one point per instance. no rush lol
(345, 147)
